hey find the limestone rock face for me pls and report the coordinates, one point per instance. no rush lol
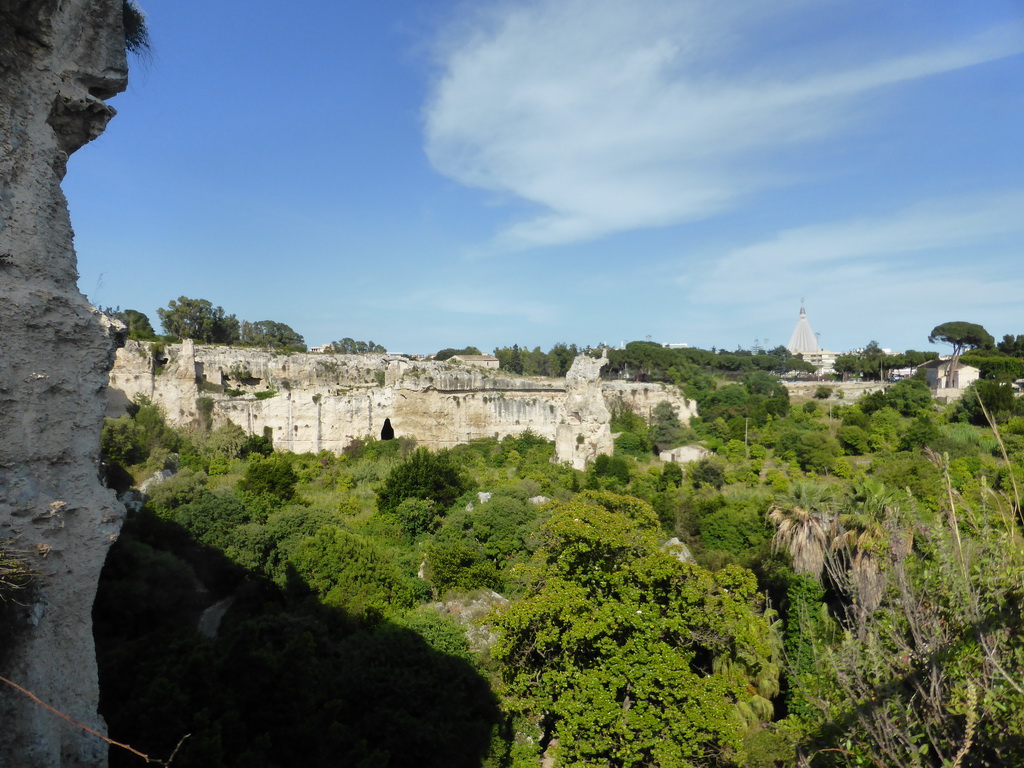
(316, 402)
(584, 431)
(59, 59)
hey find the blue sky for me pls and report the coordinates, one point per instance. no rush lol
(442, 174)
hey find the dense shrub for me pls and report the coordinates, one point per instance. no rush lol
(460, 564)
(611, 467)
(433, 477)
(909, 397)
(853, 439)
(814, 451)
(350, 573)
(181, 488)
(415, 515)
(667, 431)
(738, 525)
(707, 471)
(271, 475)
(632, 444)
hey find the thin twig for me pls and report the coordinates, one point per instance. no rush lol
(89, 730)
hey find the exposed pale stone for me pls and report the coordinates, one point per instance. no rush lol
(323, 402)
(685, 454)
(677, 549)
(471, 612)
(583, 432)
(58, 60)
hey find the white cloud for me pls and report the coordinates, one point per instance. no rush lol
(931, 228)
(612, 116)
(885, 277)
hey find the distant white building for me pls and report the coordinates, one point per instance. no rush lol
(803, 338)
(804, 343)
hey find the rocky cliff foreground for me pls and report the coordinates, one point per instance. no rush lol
(59, 59)
(315, 402)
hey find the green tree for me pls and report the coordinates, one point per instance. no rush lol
(457, 563)
(961, 335)
(561, 357)
(612, 467)
(139, 327)
(625, 654)
(416, 515)
(1012, 345)
(448, 352)
(805, 525)
(199, 320)
(349, 346)
(707, 471)
(910, 397)
(351, 573)
(434, 477)
(996, 366)
(667, 431)
(515, 362)
(269, 334)
(671, 476)
(999, 399)
(271, 475)
(863, 540)
(813, 450)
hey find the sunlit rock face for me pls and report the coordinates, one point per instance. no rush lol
(59, 60)
(315, 402)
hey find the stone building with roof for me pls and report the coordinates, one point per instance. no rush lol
(948, 380)
(483, 361)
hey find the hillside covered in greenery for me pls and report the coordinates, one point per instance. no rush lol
(845, 591)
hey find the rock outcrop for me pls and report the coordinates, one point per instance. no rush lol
(584, 431)
(59, 60)
(315, 402)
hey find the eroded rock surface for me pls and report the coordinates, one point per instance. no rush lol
(59, 60)
(316, 402)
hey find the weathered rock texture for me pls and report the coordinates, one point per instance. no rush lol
(58, 60)
(323, 402)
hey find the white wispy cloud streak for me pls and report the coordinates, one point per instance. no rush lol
(930, 227)
(611, 116)
(875, 277)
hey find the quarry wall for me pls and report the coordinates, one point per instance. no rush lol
(314, 402)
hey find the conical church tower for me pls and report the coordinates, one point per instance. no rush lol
(803, 338)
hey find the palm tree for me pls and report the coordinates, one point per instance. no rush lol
(805, 523)
(863, 536)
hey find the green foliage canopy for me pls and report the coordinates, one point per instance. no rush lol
(271, 335)
(612, 646)
(962, 335)
(448, 353)
(198, 319)
(139, 327)
(351, 573)
(424, 475)
(271, 475)
(349, 346)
